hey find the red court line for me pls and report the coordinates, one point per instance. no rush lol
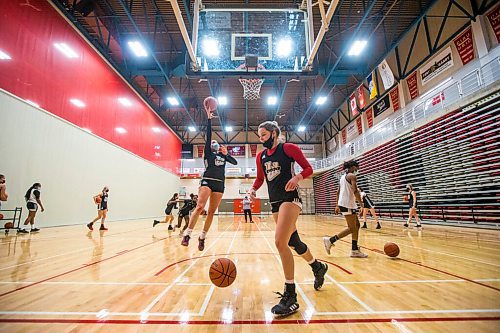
(432, 268)
(235, 253)
(79, 268)
(246, 322)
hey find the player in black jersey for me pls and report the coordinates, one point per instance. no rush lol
(169, 217)
(276, 165)
(412, 203)
(189, 205)
(102, 208)
(212, 183)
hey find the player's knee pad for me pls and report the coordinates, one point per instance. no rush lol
(295, 242)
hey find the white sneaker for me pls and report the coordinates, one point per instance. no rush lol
(358, 254)
(328, 244)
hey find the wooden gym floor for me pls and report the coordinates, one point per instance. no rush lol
(134, 278)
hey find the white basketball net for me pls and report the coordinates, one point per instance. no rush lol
(251, 88)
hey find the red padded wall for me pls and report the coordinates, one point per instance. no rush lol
(41, 73)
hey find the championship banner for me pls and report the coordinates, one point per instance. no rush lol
(494, 18)
(411, 82)
(200, 149)
(372, 85)
(253, 150)
(344, 136)
(381, 106)
(436, 66)
(360, 92)
(353, 105)
(369, 117)
(236, 150)
(395, 99)
(386, 74)
(359, 125)
(465, 46)
(352, 131)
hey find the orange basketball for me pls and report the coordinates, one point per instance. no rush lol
(210, 104)
(1, 216)
(8, 225)
(405, 198)
(391, 249)
(98, 200)
(222, 272)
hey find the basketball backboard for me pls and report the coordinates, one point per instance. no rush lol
(223, 38)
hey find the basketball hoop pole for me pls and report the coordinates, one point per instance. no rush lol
(185, 35)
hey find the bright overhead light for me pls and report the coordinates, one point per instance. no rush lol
(210, 47)
(284, 48)
(77, 102)
(192, 129)
(321, 100)
(124, 101)
(32, 103)
(121, 130)
(138, 49)
(222, 100)
(302, 128)
(173, 101)
(357, 47)
(4, 56)
(272, 100)
(156, 129)
(229, 128)
(66, 50)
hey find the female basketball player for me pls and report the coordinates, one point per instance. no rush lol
(276, 165)
(412, 203)
(102, 208)
(347, 194)
(169, 217)
(189, 205)
(368, 206)
(33, 200)
(212, 182)
(3, 190)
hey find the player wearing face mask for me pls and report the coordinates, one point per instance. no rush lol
(347, 195)
(101, 200)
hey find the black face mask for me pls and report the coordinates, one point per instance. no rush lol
(269, 142)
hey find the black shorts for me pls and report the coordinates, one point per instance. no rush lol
(347, 211)
(275, 206)
(168, 211)
(102, 207)
(214, 185)
(32, 207)
(367, 203)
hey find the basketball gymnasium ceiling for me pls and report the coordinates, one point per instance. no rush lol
(108, 24)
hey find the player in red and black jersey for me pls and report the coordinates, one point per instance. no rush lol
(275, 164)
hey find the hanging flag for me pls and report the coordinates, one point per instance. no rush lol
(253, 150)
(200, 149)
(352, 104)
(344, 136)
(494, 18)
(359, 124)
(360, 92)
(395, 99)
(381, 105)
(438, 65)
(386, 74)
(465, 46)
(369, 117)
(411, 82)
(372, 85)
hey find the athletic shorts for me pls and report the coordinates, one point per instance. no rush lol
(32, 207)
(168, 211)
(275, 206)
(367, 203)
(347, 211)
(214, 185)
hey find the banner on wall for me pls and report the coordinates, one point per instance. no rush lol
(411, 82)
(253, 150)
(360, 94)
(386, 74)
(331, 145)
(236, 150)
(434, 100)
(372, 85)
(369, 117)
(494, 18)
(465, 46)
(344, 136)
(199, 150)
(395, 99)
(438, 65)
(359, 125)
(353, 105)
(352, 131)
(307, 149)
(381, 106)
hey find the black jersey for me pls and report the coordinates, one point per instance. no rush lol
(215, 163)
(104, 201)
(278, 170)
(188, 206)
(170, 205)
(410, 199)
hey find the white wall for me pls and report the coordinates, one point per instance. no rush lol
(72, 166)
